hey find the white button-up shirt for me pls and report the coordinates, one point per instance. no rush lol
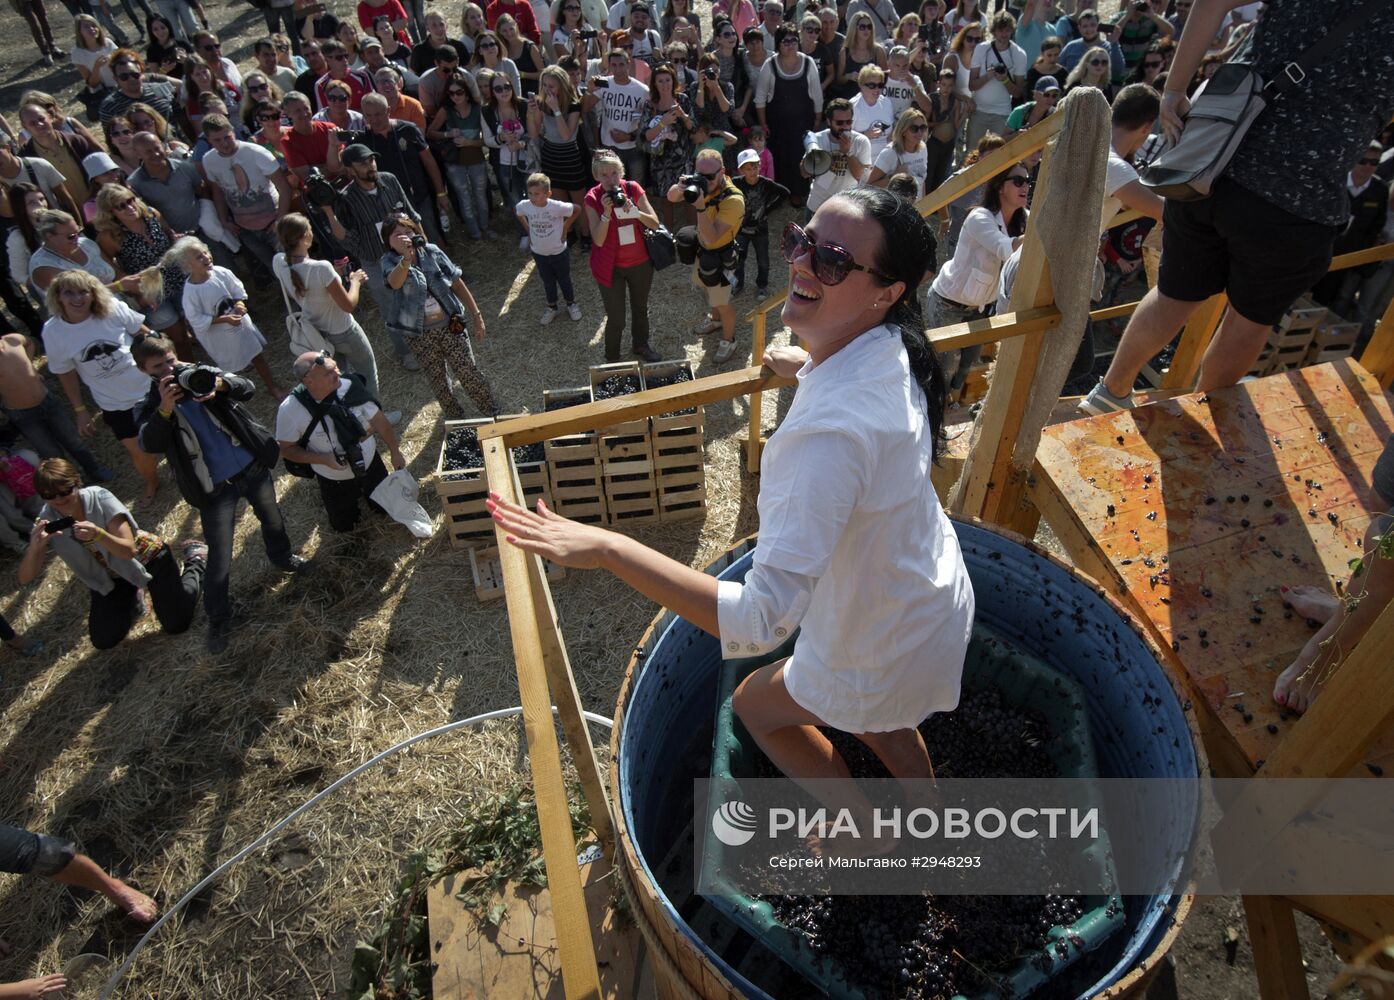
(855, 547)
(970, 278)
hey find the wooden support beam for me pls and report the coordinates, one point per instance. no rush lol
(757, 351)
(1277, 951)
(994, 328)
(580, 977)
(608, 412)
(1195, 338)
(1359, 258)
(990, 489)
(1378, 356)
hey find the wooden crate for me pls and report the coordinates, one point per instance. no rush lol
(626, 457)
(1333, 340)
(1287, 349)
(462, 492)
(487, 570)
(680, 468)
(573, 463)
(658, 374)
(599, 373)
(1304, 314)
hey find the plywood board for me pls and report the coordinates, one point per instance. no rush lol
(1203, 505)
(519, 958)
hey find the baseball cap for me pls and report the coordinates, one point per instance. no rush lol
(98, 163)
(1046, 83)
(371, 42)
(747, 156)
(640, 5)
(356, 153)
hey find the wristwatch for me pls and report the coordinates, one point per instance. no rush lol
(556, 114)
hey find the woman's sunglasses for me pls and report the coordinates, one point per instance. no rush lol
(338, 98)
(60, 494)
(1098, 62)
(1019, 181)
(831, 263)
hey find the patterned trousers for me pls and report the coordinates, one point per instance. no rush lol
(436, 347)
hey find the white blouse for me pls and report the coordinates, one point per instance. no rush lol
(970, 278)
(855, 548)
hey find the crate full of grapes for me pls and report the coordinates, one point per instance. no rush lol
(679, 470)
(461, 487)
(626, 449)
(573, 463)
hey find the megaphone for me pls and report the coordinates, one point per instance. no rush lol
(816, 160)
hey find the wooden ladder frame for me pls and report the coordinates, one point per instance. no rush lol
(544, 670)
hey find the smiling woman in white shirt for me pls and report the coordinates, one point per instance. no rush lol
(854, 547)
(967, 284)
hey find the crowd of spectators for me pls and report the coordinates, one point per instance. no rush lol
(373, 151)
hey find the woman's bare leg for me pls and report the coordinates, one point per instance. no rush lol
(146, 465)
(264, 370)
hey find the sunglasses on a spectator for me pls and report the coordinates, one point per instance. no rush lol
(831, 263)
(59, 494)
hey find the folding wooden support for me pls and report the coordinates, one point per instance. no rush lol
(532, 648)
(1378, 357)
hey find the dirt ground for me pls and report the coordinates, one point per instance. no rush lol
(161, 761)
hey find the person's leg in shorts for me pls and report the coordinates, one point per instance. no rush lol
(123, 424)
(1230, 242)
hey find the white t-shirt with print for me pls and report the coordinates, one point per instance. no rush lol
(245, 179)
(620, 106)
(99, 350)
(915, 164)
(839, 178)
(545, 225)
(292, 418)
(993, 97)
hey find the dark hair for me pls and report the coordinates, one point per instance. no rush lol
(169, 26)
(19, 193)
(992, 199)
(785, 30)
(263, 43)
(754, 31)
(907, 253)
(153, 346)
(56, 474)
(1136, 105)
(836, 104)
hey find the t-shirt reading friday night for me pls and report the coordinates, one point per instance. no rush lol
(620, 106)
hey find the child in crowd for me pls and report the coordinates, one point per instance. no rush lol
(215, 304)
(757, 138)
(547, 222)
(904, 186)
(762, 196)
(706, 137)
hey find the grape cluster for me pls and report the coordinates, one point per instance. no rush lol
(616, 385)
(462, 450)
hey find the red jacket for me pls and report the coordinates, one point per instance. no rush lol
(522, 13)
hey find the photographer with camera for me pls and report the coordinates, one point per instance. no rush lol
(996, 78)
(430, 301)
(330, 423)
(720, 208)
(109, 553)
(618, 212)
(195, 416)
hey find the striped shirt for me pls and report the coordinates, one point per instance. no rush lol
(361, 214)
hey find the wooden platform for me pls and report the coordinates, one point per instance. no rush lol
(1196, 509)
(519, 959)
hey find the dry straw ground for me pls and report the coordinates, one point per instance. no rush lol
(161, 761)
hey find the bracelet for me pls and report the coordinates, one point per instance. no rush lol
(440, 195)
(80, 408)
(166, 414)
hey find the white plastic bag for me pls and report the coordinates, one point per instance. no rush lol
(397, 495)
(212, 226)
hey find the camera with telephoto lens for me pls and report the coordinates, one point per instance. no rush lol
(197, 380)
(320, 188)
(693, 187)
(617, 197)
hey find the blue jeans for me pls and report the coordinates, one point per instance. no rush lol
(471, 187)
(51, 432)
(382, 296)
(513, 185)
(276, 16)
(555, 271)
(352, 346)
(181, 15)
(219, 515)
(759, 239)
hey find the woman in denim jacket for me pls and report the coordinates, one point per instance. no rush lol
(429, 304)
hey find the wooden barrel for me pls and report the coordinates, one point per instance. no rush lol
(668, 688)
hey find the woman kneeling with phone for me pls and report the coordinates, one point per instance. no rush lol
(854, 546)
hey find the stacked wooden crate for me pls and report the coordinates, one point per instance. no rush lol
(626, 449)
(487, 570)
(574, 463)
(462, 488)
(679, 470)
(1291, 338)
(1334, 339)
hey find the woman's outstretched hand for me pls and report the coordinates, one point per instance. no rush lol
(784, 361)
(564, 542)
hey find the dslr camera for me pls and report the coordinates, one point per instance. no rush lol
(197, 380)
(693, 187)
(710, 73)
(617, 197)
(320, 188)
(418, 242)
(586, 34)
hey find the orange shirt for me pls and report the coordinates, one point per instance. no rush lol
(409, 109)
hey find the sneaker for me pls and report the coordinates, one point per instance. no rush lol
(410, 363)
(46, 60)
(58, 53)
(573, 310)
(710, 326)
(548, 314)
(646, 353)
(295, 564)
(216, 640)
(725, 351)
(194, 551)
(1101, 401)
(763, 291)
(524, 244)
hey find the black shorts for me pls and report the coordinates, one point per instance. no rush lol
(1235, 242)
(122, 423)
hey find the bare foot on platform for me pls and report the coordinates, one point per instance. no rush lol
(137, 905)
(1299, 684)
(1311, 602)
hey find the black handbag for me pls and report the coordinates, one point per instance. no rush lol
(662, 250)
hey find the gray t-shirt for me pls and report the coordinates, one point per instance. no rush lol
(176, 197)
(101, 508)
(1299, 150)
